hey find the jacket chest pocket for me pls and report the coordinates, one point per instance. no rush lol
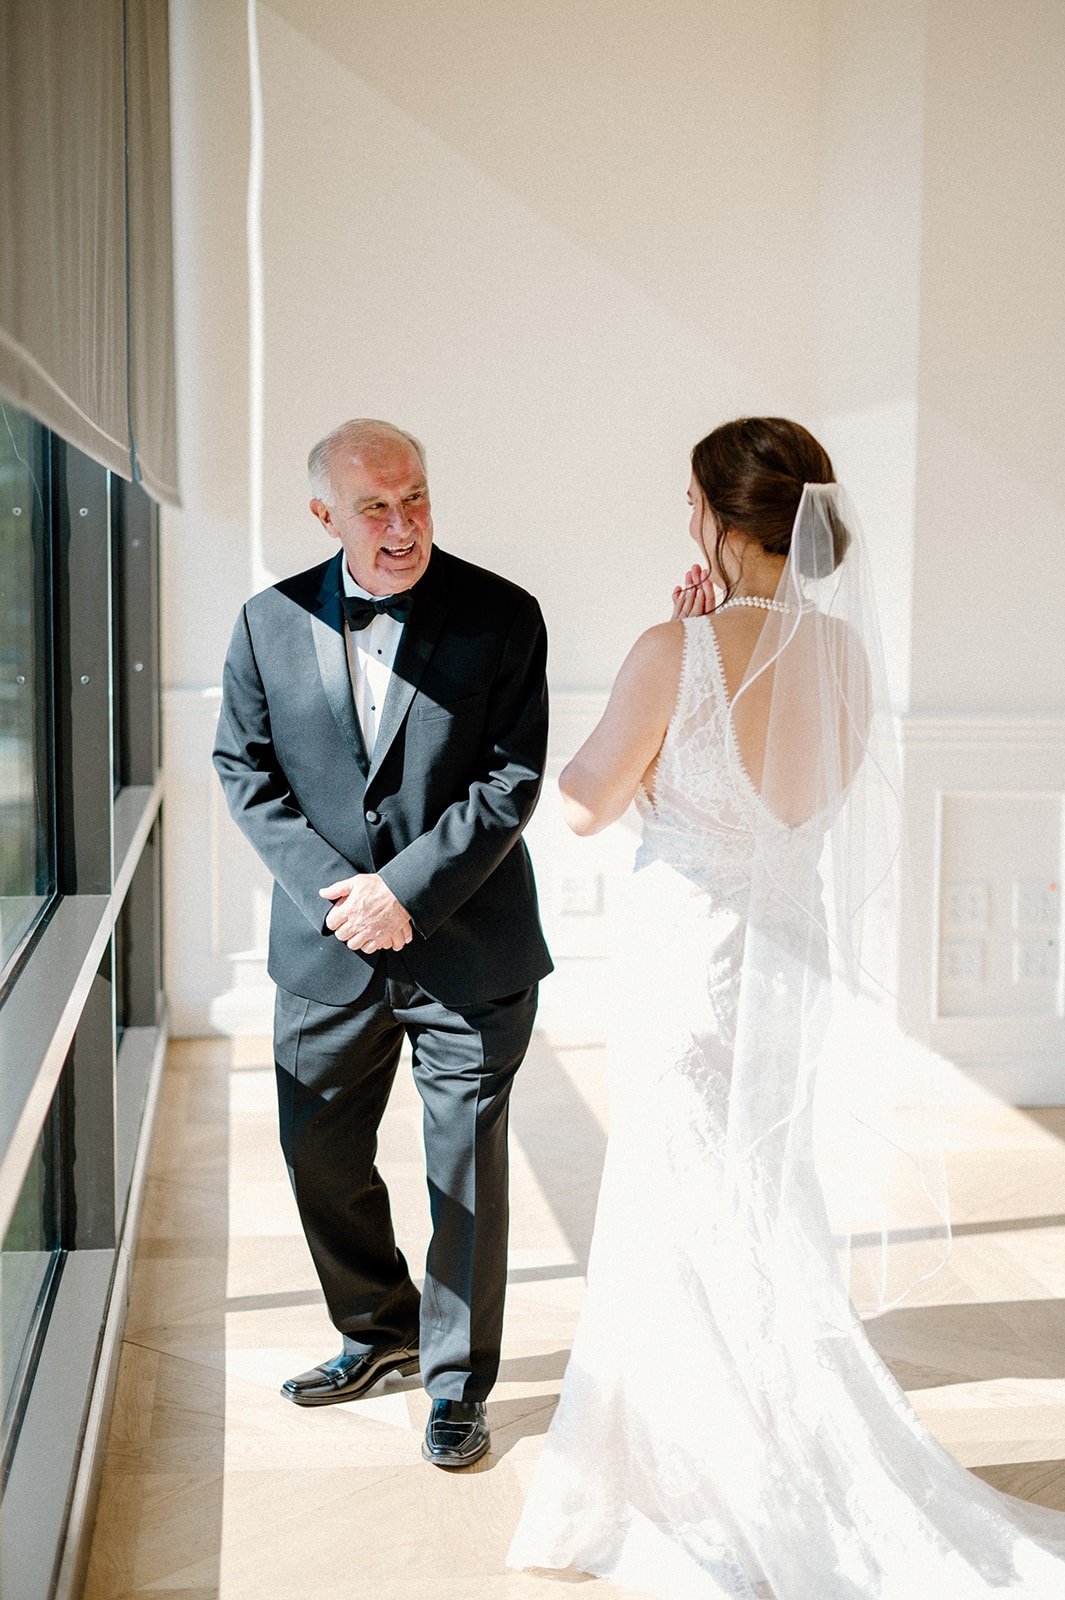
(468, 705)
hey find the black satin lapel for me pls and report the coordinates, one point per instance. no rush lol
(415, 647)
(327, 626)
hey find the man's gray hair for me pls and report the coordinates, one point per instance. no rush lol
(354, 436)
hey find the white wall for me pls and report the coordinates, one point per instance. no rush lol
(986, 741)
(866, 286)
(557, 242)
(561, 242)
(989, 590)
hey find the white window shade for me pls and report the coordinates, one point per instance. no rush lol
(153, 405)
(86, 307)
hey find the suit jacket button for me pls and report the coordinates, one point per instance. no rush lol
(373, 816)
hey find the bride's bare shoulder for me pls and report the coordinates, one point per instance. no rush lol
(660, 645)
(651, 669)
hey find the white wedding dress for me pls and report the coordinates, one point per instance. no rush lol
(725, 1430)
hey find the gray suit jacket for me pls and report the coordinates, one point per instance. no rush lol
(439, 811)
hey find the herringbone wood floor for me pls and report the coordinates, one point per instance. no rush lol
(216, 1487)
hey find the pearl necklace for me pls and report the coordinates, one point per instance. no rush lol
(755, 600)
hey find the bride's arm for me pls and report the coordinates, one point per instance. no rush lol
(599, 783)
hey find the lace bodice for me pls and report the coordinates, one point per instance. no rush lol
(695, 785)
(704, 815)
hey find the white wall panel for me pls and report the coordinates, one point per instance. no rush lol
(216, 891)
(985, 803)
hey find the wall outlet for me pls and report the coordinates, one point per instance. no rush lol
(579, 894)
(962, 961)
(967, 906)
(1036, 904)
(1036, 959)
(1001, 871)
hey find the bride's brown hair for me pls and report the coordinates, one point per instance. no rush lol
(751, 473)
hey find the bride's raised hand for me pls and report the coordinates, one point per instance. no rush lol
(695, 596)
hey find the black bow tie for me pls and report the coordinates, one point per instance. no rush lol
(360, 613)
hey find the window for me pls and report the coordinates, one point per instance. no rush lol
(29, 1258)
(79, 914)
(27, 833)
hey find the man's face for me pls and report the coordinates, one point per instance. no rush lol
(381, 515)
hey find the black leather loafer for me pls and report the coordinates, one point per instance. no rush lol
(348, 1376)
(457, 1433)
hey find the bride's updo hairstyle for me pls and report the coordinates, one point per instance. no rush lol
(752, 472)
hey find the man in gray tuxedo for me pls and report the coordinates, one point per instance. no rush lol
(381, 744)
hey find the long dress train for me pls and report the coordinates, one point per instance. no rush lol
(725, 1430)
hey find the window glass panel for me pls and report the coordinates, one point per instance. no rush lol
(27, 855)
(28, 1257)
(122, 971)
(119, 762)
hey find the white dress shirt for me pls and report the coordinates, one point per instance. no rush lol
(371, 656)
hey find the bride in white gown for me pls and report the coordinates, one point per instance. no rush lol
(725, 1431)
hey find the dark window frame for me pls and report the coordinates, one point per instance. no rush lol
(62, 1038)
(39, 468)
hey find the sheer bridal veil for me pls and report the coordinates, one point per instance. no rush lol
(820, 1064)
